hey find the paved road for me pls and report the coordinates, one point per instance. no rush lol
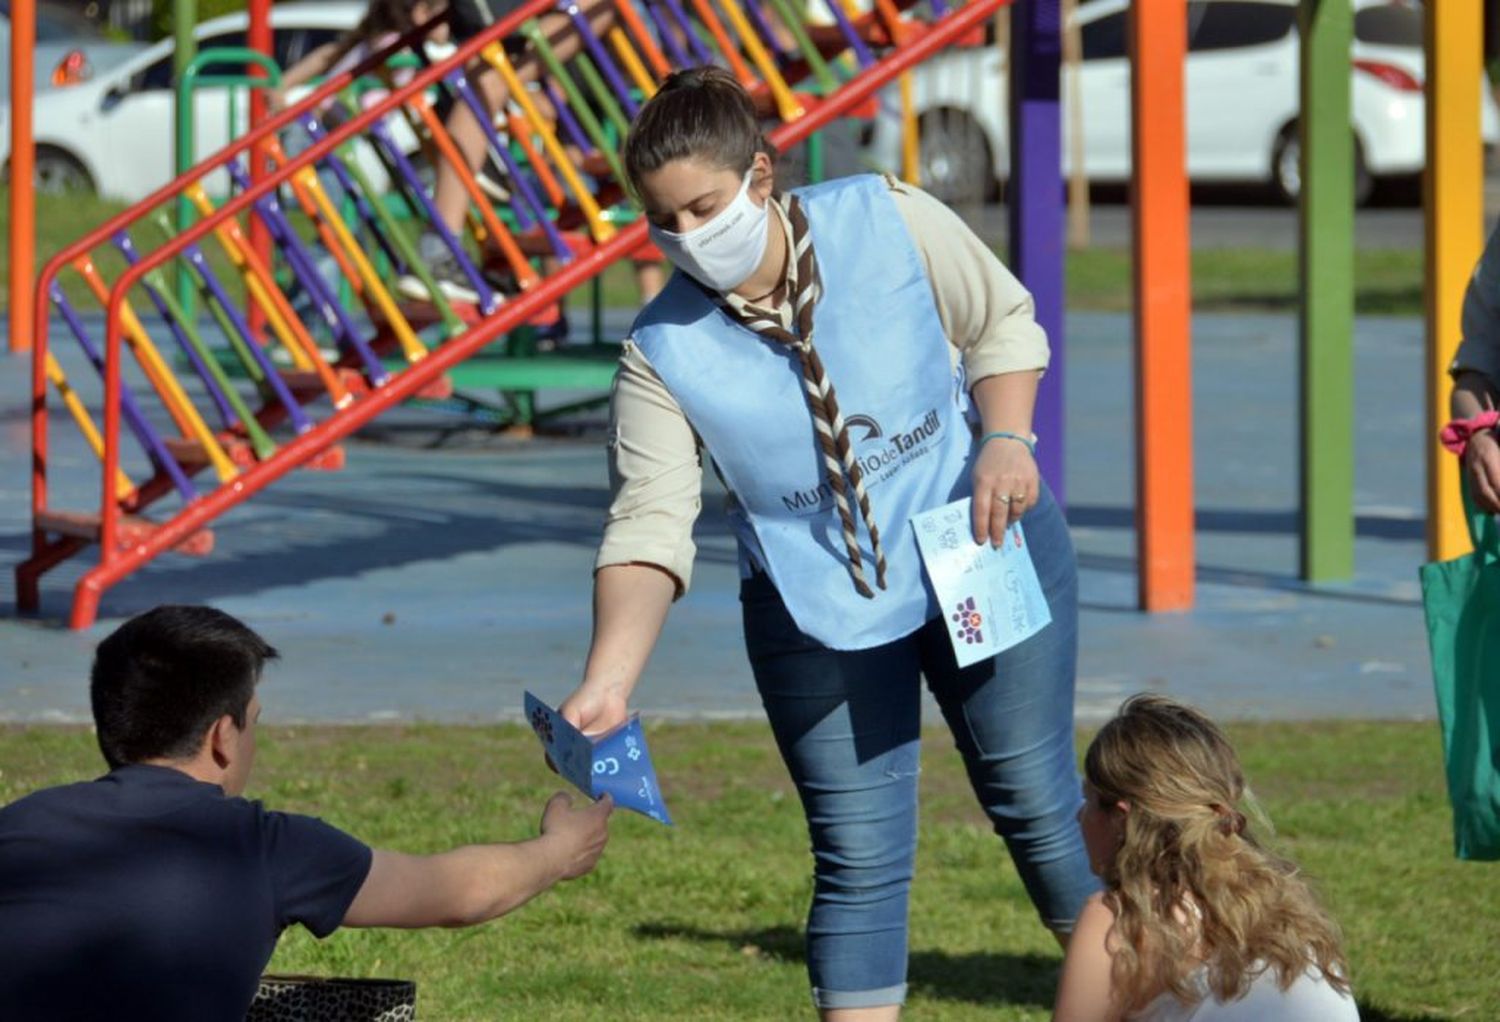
(446, 570)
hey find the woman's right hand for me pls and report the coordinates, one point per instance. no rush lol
(1482, 463)
(595, 709)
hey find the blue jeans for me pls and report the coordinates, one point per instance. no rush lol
(848, 726)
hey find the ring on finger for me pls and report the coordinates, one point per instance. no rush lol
(1019, 498)
(1005, 498)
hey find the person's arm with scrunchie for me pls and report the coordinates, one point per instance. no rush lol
(989, 318)
(1475, 370)
(646, 558)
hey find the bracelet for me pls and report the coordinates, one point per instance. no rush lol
(1455, 436)
(1029, 441)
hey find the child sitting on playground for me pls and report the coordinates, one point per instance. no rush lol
(470, 18)
(384, 22)
(1197, 921)
(158, 892)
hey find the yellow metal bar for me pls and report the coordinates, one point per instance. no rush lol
(411, 347)
(632, 61)
(911, 138)
(224, 468)
(1454, 195)
(178, 404)
(496, 58)
(85, 423)
(284, 323)
(787, 103)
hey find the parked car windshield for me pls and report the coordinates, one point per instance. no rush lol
(1232, 24)
(1211, 24)
(1389, 25)
(1104, 38)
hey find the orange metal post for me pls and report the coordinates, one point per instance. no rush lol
(1163, 306)
(22, 167)
(259, 38)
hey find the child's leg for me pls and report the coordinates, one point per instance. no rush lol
(469, 136)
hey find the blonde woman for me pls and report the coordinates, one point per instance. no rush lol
(1196, 921)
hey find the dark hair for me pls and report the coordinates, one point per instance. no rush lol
(385, 16)
(701, 113)
(162, 679)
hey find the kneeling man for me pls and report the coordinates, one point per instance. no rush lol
(157, 892)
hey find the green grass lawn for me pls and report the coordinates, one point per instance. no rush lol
(1387, 281)
(703, 920)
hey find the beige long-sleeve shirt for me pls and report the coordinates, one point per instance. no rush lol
(655, 463)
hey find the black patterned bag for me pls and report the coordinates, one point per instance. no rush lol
(333, 999)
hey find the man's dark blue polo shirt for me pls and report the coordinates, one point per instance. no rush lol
(150, 895)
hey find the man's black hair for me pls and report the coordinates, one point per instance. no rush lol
(162, 679)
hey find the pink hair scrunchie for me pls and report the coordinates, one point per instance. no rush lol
(1455, 436)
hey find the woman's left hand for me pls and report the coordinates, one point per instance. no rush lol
(1006, 486)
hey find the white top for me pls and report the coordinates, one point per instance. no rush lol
(1309, 999)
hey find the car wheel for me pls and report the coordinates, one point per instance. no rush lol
(1286, 169)
(954, 157)
(58, 172)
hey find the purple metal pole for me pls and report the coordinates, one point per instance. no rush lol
(758, 17)
(148, 437)
(299, 420)
(680, 59)
(700, 52)
(861, 52)
(335, 164)
(520, 181)
(565, 117)
(383, 140)
(306, 270)
(1035, 204)
(601, 55)
(226, 413)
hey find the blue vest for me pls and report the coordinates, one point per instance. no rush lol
(877, 331)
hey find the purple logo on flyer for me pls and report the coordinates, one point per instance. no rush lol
(967, 622)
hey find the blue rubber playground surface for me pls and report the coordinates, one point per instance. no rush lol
(447, 568)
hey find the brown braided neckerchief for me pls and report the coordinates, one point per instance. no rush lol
(839, 463)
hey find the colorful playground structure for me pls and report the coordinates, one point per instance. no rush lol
(307, 339)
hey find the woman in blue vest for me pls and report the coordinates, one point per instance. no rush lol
(847, 355)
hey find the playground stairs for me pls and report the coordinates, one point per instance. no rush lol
(306, 337)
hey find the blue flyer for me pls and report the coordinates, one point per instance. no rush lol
(617, 764)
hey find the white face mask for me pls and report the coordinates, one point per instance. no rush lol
(724, 252)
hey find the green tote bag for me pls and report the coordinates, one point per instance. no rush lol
(1462, 600)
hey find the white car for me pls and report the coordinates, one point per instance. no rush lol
(114, 133)
(1241, 88)
(69, 49)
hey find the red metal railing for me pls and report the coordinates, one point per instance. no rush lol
(115, 563)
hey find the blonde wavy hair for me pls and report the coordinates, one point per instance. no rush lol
(1190, 885)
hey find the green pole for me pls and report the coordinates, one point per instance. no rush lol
(591, 127)
(184, 20)
(1327, 289)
